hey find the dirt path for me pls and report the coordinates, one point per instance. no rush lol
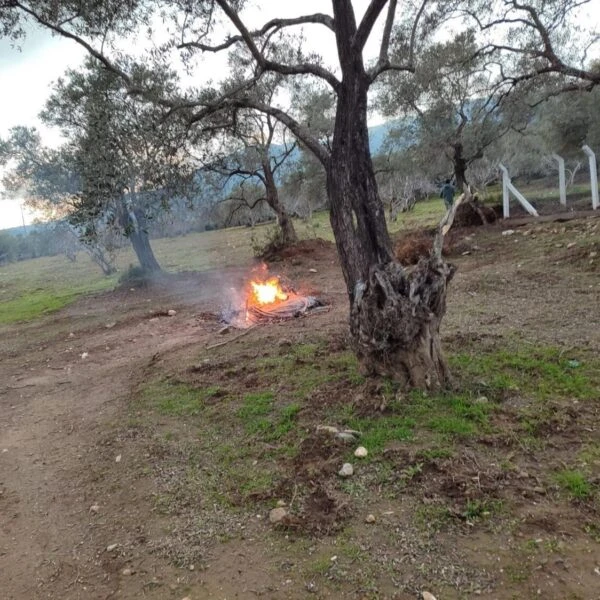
(63, 500)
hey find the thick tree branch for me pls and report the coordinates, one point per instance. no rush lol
(366, 25)
(383, 63)
(265, 64)
(387, 33)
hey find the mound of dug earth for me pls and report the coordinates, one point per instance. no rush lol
(473, 214)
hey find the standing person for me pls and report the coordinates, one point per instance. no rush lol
(447, 194)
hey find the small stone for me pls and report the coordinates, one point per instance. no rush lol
(84, 355)
(277, 515)
(571, 245)
(118, 458)
(110, 325)
(127, 571)
(171, 312)
(312, 270)
(466, 253)
(111, 547)
(347, 470)
(311, 587)
(192, 567)
(482, 399)
(593, 254)
(94, 508)
(427, 596)
(370, 518)
(559, 245)
(186, 598)
(523, 475)
(281, 503)
(153, 320)
(345, 436)
(508, 232)
(284, 343)
(361, 452)
(71, 335)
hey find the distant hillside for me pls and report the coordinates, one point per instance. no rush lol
(23, 230)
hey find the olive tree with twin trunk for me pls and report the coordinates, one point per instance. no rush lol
(395, 315)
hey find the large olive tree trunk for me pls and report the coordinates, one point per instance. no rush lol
(395, 316)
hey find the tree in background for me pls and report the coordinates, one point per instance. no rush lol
(256, 148)
(50, 182)
(455, 106)
(129, 158)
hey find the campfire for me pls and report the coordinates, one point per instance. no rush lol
(266, 299)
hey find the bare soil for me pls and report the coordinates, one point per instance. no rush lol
(91, 504)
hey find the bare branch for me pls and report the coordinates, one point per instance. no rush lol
(383, 63)
(300, 131)
(67, 34)
(271, 27)
(268, 65)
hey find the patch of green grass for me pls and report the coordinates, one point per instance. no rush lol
(260, 416)
(445, 415)
(319, 566)
(574, 483)
(169, 397)
(345, 364)
(450, 414)
(435, 453)
(451, 425)
(482, 509)
(542, 372)
(256, 405)
(589, 456)
(518, 573)
(255, 483)
(302, 369)
(34, 303)
(378, 432)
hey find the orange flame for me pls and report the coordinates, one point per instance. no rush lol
(267, 292)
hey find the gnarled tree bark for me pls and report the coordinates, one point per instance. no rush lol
(395, 316)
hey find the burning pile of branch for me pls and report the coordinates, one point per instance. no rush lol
(267, 300)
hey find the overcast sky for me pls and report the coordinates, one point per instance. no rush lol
(26, 76)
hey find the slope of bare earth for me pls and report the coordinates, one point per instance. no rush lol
(137, 462)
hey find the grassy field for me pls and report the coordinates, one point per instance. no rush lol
(40, 286)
